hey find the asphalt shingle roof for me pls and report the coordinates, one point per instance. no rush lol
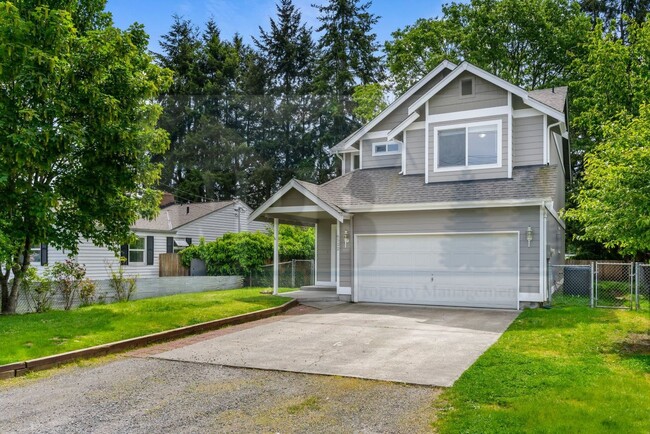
(554, 98)
(386, 186)
(174, 216)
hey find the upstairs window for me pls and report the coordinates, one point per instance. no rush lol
(467, 87)
(468, 147)
(386, 148)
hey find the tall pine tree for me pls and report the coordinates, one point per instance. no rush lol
(347, 58)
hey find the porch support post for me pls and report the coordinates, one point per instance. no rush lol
(276, 256)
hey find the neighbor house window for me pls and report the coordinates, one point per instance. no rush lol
(470, 146)
(386, 148)
(180, 244)
(136, 251)
(35, 255)
(467, 87)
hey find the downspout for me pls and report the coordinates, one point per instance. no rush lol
(548, 140)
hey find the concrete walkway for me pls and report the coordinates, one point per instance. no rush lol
(417, 345)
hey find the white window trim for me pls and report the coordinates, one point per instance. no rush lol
(143, 250)
(460, 88)
(387, 152)
(498, 164)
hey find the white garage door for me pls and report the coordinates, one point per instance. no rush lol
(474, 270)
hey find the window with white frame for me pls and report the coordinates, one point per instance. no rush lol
(35, 255)
(386, 148)
(469, 146)
(136, 251)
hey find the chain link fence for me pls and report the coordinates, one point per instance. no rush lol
(600, 284)
(614, 285)
(571, 285)
(291, 274)
(642, 288)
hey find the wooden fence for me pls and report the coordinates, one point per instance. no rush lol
(171, 265)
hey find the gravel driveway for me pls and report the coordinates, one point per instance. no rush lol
(134, 394)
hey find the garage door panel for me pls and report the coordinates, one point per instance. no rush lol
(451, 269)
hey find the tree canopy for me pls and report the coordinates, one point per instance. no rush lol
(77, 131)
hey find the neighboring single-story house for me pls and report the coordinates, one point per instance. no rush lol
(450, 196)
(176, 227)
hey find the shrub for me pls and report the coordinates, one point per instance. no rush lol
(87, 290)
(68, 277)
(123, 286)
(244, 252)
(38, 291)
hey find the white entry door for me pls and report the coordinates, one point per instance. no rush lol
(470, 270)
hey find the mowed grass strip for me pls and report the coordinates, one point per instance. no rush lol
(30, 336)
(572, 369)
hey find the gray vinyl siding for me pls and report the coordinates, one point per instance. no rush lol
(486, 95)
(373, 162)
(554, 159)
(401, 112)
(347, 163)
(324, 252)
(466, 220)
(293, 198)
(414, 152)
(469, 174)
(527, 141)
(345, 275)
(555, 241)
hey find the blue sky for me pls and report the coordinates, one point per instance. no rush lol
(244, 16)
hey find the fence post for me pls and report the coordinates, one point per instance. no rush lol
(591, 290)
(637, 269)
(293, 273)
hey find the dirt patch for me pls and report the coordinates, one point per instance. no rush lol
(636, 344)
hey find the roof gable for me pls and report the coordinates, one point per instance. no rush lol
(515, 90)
(352, 138)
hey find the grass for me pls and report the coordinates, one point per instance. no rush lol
(24, 337)
(570, 369)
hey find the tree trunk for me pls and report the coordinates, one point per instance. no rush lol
(18, 269)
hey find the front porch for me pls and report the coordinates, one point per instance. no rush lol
(317, 296)
(295, 204)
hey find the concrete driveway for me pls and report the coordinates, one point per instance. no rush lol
(417, 345)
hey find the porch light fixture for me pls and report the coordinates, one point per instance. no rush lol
(346, 238)
(529, 235)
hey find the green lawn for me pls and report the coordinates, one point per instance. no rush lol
(30, 336)
(570, 369)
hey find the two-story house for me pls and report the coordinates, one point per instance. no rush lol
(450, 196)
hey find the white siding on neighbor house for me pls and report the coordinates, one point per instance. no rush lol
(486, 95)
(98, 259)
(528, 141)
(469, 174)
(414, 152)
(374, 162)
(466, 220)
(214, 225)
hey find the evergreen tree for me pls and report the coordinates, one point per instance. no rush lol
(347, 57)
(180, 54)
(287, 49)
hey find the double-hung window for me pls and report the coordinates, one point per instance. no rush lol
(471, 146)
(136, 251)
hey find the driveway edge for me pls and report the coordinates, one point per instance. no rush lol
(21, 368)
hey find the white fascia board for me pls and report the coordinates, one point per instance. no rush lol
(502, 110)
(526, 113)
(348, 141)
(466, 66)
(308, 194)
(350, 151)
(426, 206)
(402, 126)
(375, 135)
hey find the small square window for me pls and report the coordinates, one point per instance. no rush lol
(467, 87)
(136, 251)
